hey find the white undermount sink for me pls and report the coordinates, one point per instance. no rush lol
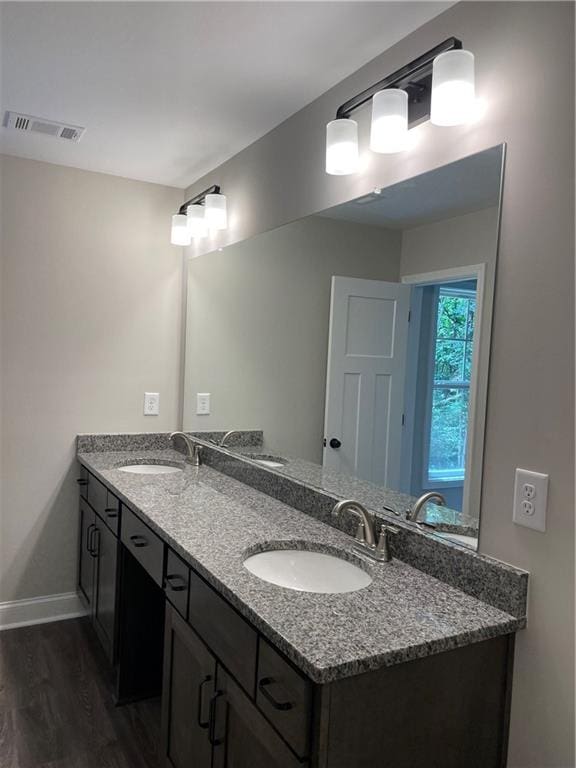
(307, 571)
(150, 469)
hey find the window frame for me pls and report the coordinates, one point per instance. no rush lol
(431, 385)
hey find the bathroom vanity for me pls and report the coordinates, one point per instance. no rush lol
(409, 671)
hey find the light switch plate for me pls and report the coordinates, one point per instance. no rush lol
(530, 499)
(151, 403)
(202, 403)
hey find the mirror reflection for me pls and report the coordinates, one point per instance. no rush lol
(358, 341)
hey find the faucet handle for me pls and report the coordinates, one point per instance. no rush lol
(383, 546)
(390, 509)
(361, 532)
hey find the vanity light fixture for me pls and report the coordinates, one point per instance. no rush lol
(180, 232)
(198, 215)
(216, 217)
(197, 225)
(437, 86)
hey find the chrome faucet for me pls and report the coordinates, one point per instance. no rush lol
(413, 513)
(366, 531)
(193, 451)
(228, 434)
(375, 547)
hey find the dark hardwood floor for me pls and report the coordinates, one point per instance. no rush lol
(56, 705)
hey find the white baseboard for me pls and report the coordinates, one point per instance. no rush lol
(40, 610)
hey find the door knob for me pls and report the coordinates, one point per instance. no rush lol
(335, 443)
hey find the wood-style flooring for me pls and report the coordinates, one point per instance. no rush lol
(56, 705)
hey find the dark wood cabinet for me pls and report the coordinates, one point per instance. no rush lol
(188, 689)
(207, 719)
(85, 558)
(98, 570)
(241, 736)
(104, 600)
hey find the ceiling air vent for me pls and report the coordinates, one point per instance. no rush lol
(32, 124)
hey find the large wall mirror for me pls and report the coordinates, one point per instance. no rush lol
(358, 340)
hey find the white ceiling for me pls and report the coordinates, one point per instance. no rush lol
(169, 90)
(467, 185)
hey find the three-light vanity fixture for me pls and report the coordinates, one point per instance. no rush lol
(439, 86)
(198, 216)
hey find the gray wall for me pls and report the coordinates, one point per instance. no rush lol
(257, 327)
(525, 65)
(91, 319)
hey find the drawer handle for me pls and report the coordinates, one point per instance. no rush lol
(89, 538)
(82, 481)
(283, 706)
(111, 512)
(175, 577)
(95, 550)
(212, 727)
(139, 541)
(202, 723)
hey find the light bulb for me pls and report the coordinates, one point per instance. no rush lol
(453, 92)
(216, 217)
(180, 234)
(389, 131)
(196, 221)
(341, 147)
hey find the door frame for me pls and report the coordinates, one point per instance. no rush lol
(478, 381)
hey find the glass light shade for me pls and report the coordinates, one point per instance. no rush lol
(215, 213)
(389, 131)
(197, 226)
(341, 147)
(453, 92)
(180, 234)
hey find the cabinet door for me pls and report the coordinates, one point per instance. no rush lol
(188, 687)
(105, 547)
(241, 736)
(85, 557)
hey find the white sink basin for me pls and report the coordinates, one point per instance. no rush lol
(150, 469)
(307, 571)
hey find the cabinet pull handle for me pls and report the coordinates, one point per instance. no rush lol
(263, 688)
(174, 577)
(212, 727)
(89, 537)
(96, 549)
(139, 541)
(111, 512)
(202, 723)
(82, 481)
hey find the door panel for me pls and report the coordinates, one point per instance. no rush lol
(86, 561)
(365, 378)
(104, 609)
(189, 679)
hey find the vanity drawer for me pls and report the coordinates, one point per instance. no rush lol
(141, 542)
(224, 631)
(285, 697)
(177, 582)
(104, 503)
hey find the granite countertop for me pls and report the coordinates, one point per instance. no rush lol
(213, 521)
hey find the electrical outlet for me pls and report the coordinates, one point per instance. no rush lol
(530, 499)
(203, 403)
(151, 403)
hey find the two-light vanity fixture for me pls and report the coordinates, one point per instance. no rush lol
(198, 216)
(439, 86)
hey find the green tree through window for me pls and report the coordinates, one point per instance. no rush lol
(453, 344)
